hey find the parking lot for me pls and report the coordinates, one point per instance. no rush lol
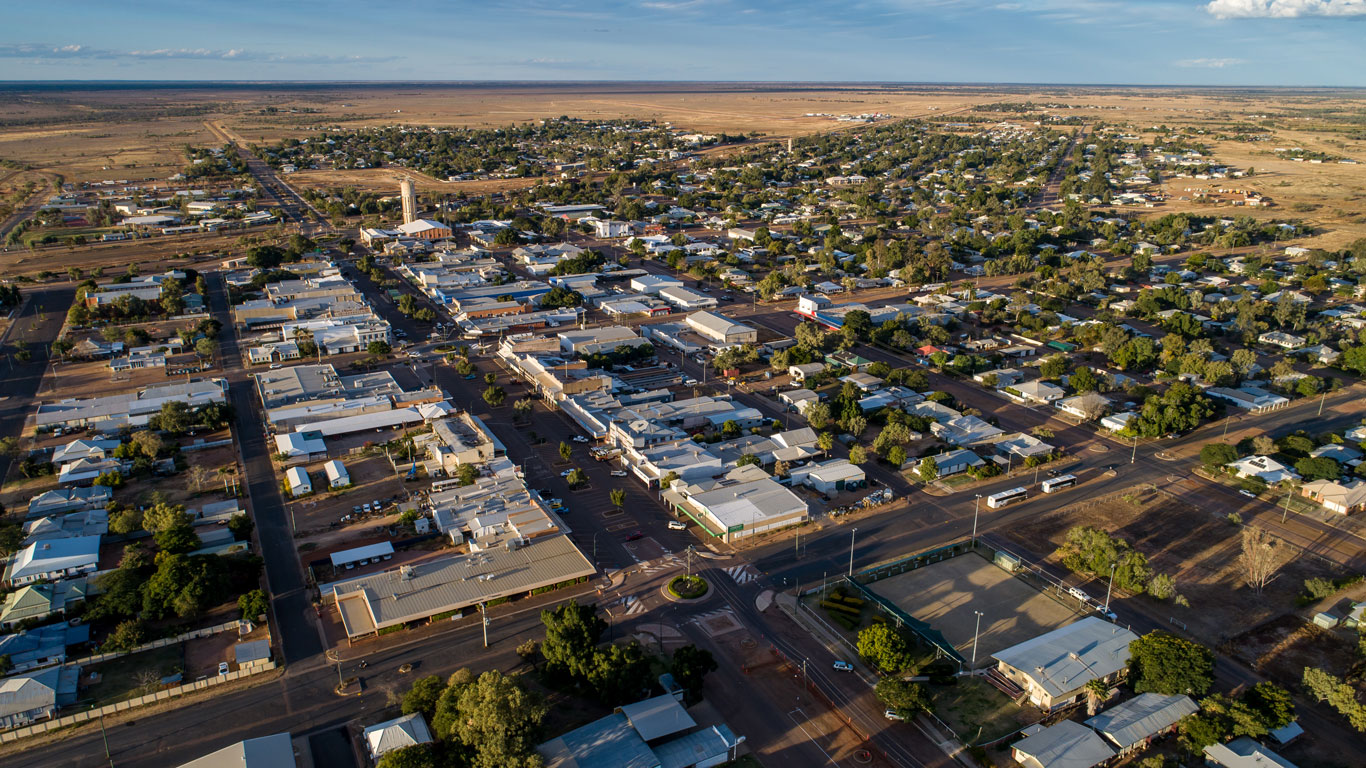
(372, 480)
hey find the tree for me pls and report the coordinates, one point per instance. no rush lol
(160, 517)
(748, 459)
(126, 636)
(378, 348)
(125, 520)
(690, 666)
(253, 604)
(1097, 691)
(466, 474)
(1262, 445)
(618, 497)
(1164, 663)
(111, 479)
(1215, 456)
(1084, 379)
(1053, 367)
(1272, 703)
(1199, 731)
(422, 697)
(495, 396)
(818, 415)
(174, 418)
(10, 448)
(205, 348)
(411, 756)
(825, 441)
(521, 408)
(177, 538)
(498, 721)
(241, 526)
(619, 673)
(566, 451)
(1317, 468)
(1339, 694)
(928, 469)
(885, 648)
(576, 478)
(1260, 558)
(857, 454)
(572, 633)
(903, 697)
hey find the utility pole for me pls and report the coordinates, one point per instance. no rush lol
(797, 545)
(1322, 400)
(851, 552)
(105, 735)
(1134, 456)
(1289, 491)
(483, 614)
(1110, 588)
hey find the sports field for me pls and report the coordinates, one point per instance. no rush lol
(948, 593)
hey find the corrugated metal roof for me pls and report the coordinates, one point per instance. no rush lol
(1069, 657)
(1140, 717)
(459, 581)
(1068, 744)
(658, 716)
(610, 742)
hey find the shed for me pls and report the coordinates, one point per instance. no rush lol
(299, 484)
(251, 654)
(350, 557)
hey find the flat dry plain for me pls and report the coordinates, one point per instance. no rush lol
(134, 133)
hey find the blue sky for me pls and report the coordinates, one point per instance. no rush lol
(1216, 42)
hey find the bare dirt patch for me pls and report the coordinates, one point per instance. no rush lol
(1282, 648)
(1197, 547)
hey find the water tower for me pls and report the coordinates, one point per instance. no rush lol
(409, 195)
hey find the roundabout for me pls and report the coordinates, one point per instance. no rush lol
(687, 589)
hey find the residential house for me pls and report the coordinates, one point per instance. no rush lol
(1282, 339)
(964, 430)
(407, 731)
(1134, 725)
(1244, 752)
(653, 733)
(800, 372)
(26, 699)
(799, 399)
(952, 462)
(1336, 496)
(1088, 405)
(51, 559)
(1066, 744)
(1054, 668)
(69, 500)
(1035, 392)
(1264, 467)
(299, 484)
(38, 601)
(1022, 446)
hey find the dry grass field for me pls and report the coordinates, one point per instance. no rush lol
(110, 135)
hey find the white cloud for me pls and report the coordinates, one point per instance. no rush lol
(1209, 63)
(1284, 9)
(44, 51)
(670, 5)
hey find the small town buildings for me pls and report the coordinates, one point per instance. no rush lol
(407, 731)
(744, 502)
(38, 601)
(424, 229)
(653, 284)
(829, 477)
(954, 462)
(51, 559)
(26, 699)
(590, 341)
(337, 476)
(1244, 752)
(1263, 467)
(1088, 405)
(253, 654)
(299, 484)
(799, 373)
(1251, 398)
(1134, 725)
(1066, 744)
(721, 329)
(1336, 496)
(799, 399)
(654, 733)
(1035, 392)
(274, 751)
(685, 299)
(1054, 668)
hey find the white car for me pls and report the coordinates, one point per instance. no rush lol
(276, 366)
(222, 667)
(567, 473)
(580, 439)
(677, 525)
(619, 473)
(892, 714)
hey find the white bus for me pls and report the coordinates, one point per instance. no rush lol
(1058, 483)
(998, 500)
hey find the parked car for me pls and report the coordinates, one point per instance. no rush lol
(633, 535)
(892, 714)
(567, 473)
(677, 525)
(580, 439)
(618, 473)
(222, 667)
(1247, 493)
(276, 366)
(844, 666)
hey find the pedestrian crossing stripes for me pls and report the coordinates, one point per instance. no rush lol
(742, 574)
(633, 605)
(661, 564)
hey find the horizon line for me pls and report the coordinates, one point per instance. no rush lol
(608, 81)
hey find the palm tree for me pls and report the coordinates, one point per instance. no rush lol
(1096, 691)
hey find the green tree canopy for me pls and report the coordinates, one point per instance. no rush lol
(1164, 663)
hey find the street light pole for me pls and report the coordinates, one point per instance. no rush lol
(483, 615)
(975, 630)
(851, 552)
(1134, 456)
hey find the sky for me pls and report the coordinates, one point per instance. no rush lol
(1140, 42)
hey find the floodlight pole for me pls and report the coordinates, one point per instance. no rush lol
(1109, 589)
(976, 504)
(975, 630)
(483, 614)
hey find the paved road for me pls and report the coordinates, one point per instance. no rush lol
(36, 324)
(281, 195)
(290, 602)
